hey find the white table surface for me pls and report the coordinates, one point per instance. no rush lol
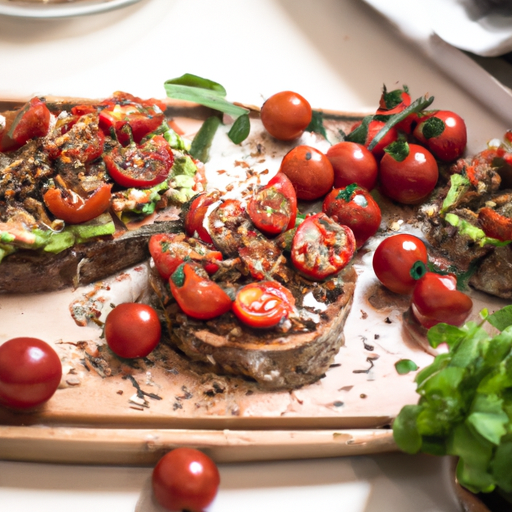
(337, 53)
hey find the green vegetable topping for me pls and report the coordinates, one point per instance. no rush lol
(405, 366)
(399, 150)
(202, 142)
(347, 192)
(240, 129)
(459, 185)
(178, 276)
(433, 127)
(476, 234)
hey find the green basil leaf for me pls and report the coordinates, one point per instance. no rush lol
(405, 432)
(405, 366)
(196, 81)
(502, 318)
(240, 129)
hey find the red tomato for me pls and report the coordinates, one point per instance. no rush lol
(444, 133)
(195, 216)
(282, 184)
(310, 172)
(353, 163)
(321, 247)
(30, 372)
(270, 211)
(74, 209)
(196, 295)
(286, 115)
(409, 180)
(374, 128)
(33, 120)
(170, 250)
(263, 304)
(81, 110)
(435, 299)
(185, 478)
(132, 330)
(394, 102)
(394, 260)
(354, 207)
(140, 166)
(494, 224)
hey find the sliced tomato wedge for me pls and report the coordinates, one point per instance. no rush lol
(73, 209)
(140, 166)
(194, 217)
(264, 304)
(282, 184)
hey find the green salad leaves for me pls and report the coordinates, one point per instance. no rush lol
(465, 405)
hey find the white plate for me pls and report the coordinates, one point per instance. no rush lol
(22, 9)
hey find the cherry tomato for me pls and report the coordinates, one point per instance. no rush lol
(282, 184)
(374, 128)
(194, 217)
(170, 250)
(310, 172)
(353, 163)
(263, 304)
(198, 296)
(132, 330)
(30, 372)
(435, 299)
(270, 211)
(409, 179)
(354, 207)
(81, 110)
(286, 115)
(395, 258)
(140, 166)
(494, 224)
(73, 209)
(185, 479)
(394, 102)
(444, 134)
(321, 247)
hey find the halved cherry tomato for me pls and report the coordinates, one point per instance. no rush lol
(185, 479)
(132, 330)
(286, 115)
(353, 163)
(170, 250)
(408, 173)
(195, 216)
(321, 247)
(140, 166)
(30, 372)
(310, 172)
(73, 209)
(354, 207)
(270, 211)
(81, 110)
(263, 304)
(394, 262)
(32, 121)
(282, 184)
(198, 296)
(435, 299)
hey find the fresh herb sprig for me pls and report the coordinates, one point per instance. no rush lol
(465, 405)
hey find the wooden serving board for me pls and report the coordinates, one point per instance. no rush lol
(109, 411)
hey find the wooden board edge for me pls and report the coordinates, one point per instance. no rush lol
(144, 447)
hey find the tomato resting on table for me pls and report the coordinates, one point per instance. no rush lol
(170, 250)
(321, 247)
(194, 217)
(263, 304)
(286, 115)
(132, 330)
(185, 479)
(74, 209)
(310, 172)
(30, 373)
(140, 166)
(354, 207)
(198, 296)
(435, 299)
(394, 262)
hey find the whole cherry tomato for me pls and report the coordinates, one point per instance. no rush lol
(74, 209)
(141, 166)
(321, 247)
(395, 259)
(286, 115)
(310, 172)
(196, 295)
(30, 372)
(435, 299)
(353, 163)
(282, 184)
(354, 207)
(185, 479)
(444, 133)
(170, 250)
(132, 330)
(270, 211)
(194, 217)
(408, 173)
(263, 304)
